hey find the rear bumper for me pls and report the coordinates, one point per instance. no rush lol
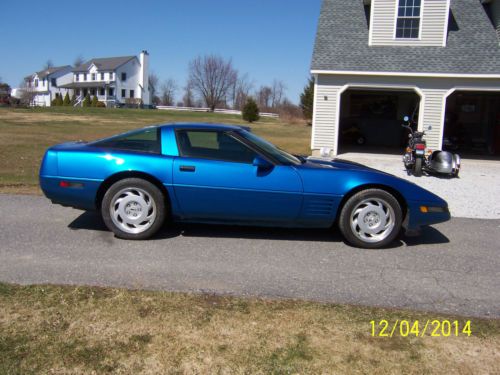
(81, 197)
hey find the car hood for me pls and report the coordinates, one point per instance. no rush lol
(339, 177)
(337, 164)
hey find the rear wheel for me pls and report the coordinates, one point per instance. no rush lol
(371, 219)
(133, 209)
(417, 169)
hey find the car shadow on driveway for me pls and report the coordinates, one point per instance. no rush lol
(92, 221)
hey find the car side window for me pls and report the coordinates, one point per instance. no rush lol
(215, 145)
(144, 140)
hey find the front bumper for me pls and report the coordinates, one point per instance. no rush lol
(415, 217)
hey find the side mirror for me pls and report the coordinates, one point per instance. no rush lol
(261, 163)
(406, 119)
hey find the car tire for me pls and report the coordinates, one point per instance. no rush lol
(134, 209)
(417, 169)
(370, 219)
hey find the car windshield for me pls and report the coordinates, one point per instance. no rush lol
(280, 155)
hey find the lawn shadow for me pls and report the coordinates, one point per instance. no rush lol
(92, 221)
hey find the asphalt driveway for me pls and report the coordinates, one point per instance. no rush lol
(452, 268)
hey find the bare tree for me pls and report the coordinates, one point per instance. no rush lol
(188, 98)
(241, 91)
(263, 96)
(212, 78)
(277, 93)
(79, 60)
(154, 81)
(27, 93)
(48, 64)
(168, 90)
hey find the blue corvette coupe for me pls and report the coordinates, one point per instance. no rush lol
(226, 174)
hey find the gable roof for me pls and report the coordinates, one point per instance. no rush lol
(342, 43)
(46, 72)
(107, 63)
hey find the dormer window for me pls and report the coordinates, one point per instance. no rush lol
(408, 20)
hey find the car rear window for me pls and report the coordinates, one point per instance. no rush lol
(144, 140)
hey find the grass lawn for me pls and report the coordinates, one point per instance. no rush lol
(25, 134)
(83, 330)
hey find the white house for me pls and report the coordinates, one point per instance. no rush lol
(46, 84)
(438, 61)
(114, 80)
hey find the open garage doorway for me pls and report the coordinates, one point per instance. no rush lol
(370, 120)
(472, 123)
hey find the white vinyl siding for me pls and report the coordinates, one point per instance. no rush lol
(433, 116)
(433, 23)
(325, 116)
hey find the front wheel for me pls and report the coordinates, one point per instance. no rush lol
(133, 209)
(370, 219)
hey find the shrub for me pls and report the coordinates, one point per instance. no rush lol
(57, 101)
(100, 104)
(86, 101)
(66, 101)
(94, 101)
(307, 100)
(250, 111)
(73, 98)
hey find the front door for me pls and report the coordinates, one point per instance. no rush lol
(215, 180)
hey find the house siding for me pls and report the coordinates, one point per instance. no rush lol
(324, 134)
(433, 93)
(434, 17)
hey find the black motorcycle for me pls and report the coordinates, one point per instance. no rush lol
(417, 160)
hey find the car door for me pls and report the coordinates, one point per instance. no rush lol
(214, 179)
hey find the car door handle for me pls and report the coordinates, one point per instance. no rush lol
(187, 168)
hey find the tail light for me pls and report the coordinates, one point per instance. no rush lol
(420, 146)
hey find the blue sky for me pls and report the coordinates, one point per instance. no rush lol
(267, 39)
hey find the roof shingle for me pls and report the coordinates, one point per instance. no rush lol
(342, 43)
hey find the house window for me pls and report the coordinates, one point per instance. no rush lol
(102, 92)
(102, 76)
(124, 93)
(36, 82)
(131, 93)
(408, 22)
(77, 77)
(53, 82)
(77, 92)
(93, 76)
(124, 76)
(110, 76)
(92, 92)
(84, 76)
(111, 91)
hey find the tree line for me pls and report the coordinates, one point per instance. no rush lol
(214, 82)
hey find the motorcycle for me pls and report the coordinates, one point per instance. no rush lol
(417, 158)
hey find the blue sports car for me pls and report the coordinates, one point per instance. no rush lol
(226, 174)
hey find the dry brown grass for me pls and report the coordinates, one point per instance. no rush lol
(25, 134)
(48, 329)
